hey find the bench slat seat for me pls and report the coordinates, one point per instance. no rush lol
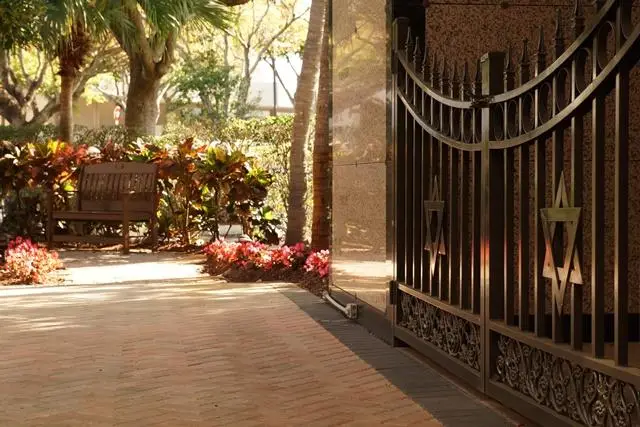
(100, 216)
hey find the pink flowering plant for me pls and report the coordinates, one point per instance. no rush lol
(26, 262)
(261, 261)
(318, 263)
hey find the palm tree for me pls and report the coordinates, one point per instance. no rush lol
(304, 98)
(69, 28)
(321, 217)
(150, 44)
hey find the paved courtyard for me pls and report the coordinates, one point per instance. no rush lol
(154, 342)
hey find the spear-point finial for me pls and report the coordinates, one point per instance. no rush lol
(426, 71)
(444, 75)
(466, 81)
(541, 48)
(578, 18)
(509, 72)
(558, 30)
(408, 46)
(455, 80)
(524, 59)
(435, 79)
(542, 54)
(524, 62)
(417, 54)
(465, 72)
(477, 80)
(508, 66)
(558, 36)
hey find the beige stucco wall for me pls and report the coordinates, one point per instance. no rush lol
(360, 156)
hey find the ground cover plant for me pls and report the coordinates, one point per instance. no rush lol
(26, 262)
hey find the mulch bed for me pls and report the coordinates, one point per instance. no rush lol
(308, 281)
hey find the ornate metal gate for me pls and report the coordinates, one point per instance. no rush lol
(504, 257)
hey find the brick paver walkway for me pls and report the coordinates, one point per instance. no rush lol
(182, 352)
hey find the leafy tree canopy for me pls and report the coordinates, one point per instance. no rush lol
(20, 22)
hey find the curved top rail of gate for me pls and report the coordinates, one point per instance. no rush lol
(536, 106)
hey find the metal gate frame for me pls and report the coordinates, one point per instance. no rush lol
(469, 292)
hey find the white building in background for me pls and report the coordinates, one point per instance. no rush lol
(262, 85)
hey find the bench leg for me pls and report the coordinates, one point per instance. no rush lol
(125, 232)
(50, 224)
(50, 233)
(154, 233)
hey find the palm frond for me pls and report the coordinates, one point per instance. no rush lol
(166, 16)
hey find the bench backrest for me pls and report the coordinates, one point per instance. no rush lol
(101, 186)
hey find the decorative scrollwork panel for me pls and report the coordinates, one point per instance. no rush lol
(455, 336)
(584, 395)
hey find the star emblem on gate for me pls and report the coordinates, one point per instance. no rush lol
(569, 216)
(435, 243)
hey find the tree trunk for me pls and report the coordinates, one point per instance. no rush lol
(67, 83)
(142, 110)
(321, 218)
(245, 84)
(296, 213)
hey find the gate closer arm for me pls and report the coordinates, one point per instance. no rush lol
(350, 310)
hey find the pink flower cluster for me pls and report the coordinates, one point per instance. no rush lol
(318, 263)
(26, 262)
(222, 255)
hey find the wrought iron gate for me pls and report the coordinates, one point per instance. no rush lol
(499, 182)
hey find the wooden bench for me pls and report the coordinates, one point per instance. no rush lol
(121, 192)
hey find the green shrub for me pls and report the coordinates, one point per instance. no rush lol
(28, 133)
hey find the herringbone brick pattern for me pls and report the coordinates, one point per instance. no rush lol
(182, 353)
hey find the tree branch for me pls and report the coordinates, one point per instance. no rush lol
(256, 25)
(292, 67)
(41, 116)
(272, 40)
(6, 75)
(35, 84)
(116, 99)
(22, 68)
(131, 7)
(11, 109)
(168, 57)
(289, 94)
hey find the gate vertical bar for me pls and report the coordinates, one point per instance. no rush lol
(476, 195)
(508, 186)
(621, 202)
(454, 214)
(539, 203)
(426, 173)
(523, 173)
(436, 148)
(466, 262)
(597, 212)
(577, 177)
(400, 28)
(418, 205)
(492, 213)
(557, 165)
(408, 166)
